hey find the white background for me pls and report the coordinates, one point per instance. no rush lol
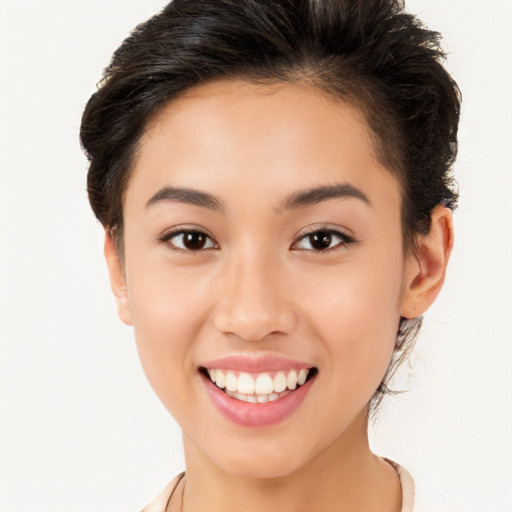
(80, 428)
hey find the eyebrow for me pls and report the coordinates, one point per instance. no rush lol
(318, 194)
(298, 199)
(185, 195)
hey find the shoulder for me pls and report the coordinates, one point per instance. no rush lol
(159, 504)
(407, 484)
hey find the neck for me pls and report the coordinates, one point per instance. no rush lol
(346, 477)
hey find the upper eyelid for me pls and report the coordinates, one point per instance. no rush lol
(345, 233)
(176, 230)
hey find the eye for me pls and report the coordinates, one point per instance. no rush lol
(322, 240)
(188, 240)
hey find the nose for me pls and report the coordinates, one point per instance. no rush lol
(253, 300)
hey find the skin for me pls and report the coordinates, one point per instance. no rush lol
(260, 288)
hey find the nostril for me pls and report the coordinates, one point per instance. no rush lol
(254, 325)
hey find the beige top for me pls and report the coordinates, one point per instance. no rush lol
(171, 498)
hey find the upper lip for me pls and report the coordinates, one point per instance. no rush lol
(256, 364)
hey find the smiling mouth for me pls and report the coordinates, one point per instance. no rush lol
(260, 387)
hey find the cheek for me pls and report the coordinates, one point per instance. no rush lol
(356, 312)
(167, 311)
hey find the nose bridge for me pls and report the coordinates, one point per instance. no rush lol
(253, 302)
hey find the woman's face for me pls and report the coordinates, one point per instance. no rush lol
(263, 241)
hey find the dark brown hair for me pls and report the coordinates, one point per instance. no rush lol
(369, 53)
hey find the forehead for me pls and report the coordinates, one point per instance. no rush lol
(269, 139)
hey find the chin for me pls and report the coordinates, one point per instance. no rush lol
(263, 458)
(263, 467)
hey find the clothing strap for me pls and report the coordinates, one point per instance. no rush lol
(173, 490)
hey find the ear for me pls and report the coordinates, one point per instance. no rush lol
(426, 267)
(117, 279)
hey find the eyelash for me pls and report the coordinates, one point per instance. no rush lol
(168, 236)
(343, 240)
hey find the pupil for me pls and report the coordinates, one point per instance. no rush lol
(321, 240)
(194, 241)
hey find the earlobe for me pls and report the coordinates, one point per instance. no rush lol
(426, 267)
(117, 279)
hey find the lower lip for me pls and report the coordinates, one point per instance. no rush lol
(248, 414)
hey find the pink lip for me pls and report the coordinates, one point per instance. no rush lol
(256, 364)
(248, 414)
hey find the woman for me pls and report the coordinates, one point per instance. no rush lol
(274, 182)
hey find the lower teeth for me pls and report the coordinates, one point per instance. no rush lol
(256, 398)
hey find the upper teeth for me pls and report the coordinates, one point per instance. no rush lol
(258, 384)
